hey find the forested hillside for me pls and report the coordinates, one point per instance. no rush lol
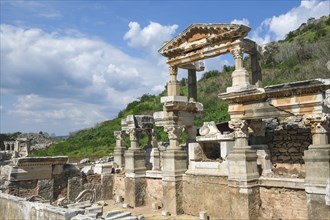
(302, 55)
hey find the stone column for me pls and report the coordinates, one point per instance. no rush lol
(191, 134)
(317, 165)
(175, 164)
(240, 77)
(256, 70)
(154, 154)
(192, 85)
(120, 148)
(135, 169)
(243, 174)
(173, 86)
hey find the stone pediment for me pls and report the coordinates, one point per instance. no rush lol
(200, 35)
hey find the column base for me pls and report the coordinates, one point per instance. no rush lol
(316, 207)
(245, 202)
(135, 162)
(173, 196)
(243, 165)
(175, 164)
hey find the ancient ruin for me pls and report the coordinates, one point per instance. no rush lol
(270, 161)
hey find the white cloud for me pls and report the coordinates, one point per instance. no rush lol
(277, 27)
(68, 77)
(149, 38)
(243, 21)
(34, 108)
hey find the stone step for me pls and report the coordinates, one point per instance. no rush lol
(128, 218)
(119, 215)
(110, 213)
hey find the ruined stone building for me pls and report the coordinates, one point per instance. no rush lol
(270, 161)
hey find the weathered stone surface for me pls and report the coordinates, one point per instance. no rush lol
(135, 191)
(281, 203)
(13, 207)
(119, 185)
(206, 193)
(98, 210)
(173, 196)
(45, 189)
(154, 191)
(74, 188)
(107, 182)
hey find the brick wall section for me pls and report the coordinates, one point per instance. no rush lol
(281, 203)
(287, 145)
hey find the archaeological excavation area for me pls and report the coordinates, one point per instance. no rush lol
(270, 161)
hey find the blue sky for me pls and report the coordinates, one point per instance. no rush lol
(67, 65)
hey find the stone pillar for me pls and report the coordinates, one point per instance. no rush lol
(154, 154)
(240, 77)
(243, 174)
(175, 164)
(256, 70)
(173, 86)
(120, 148)
(191, 134)
(192, 85)
(317, 165)
(135, 169)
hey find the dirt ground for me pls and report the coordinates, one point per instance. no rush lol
(146, 211)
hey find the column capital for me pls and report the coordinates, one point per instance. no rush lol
(173, 70)
(240, 128)
(119, 134)
(319, 124)
(134, 134)
(173, 131)
(237, 51)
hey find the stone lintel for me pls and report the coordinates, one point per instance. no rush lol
(35, 161)
(198, 66)
(215, 137)
(166, 99)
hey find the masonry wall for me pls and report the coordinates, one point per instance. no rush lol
(287, 143)
(154, 190)
(206, 193)
(119, 185)
(282, 203)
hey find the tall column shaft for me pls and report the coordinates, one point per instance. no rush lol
(192, 85)
(120, 148)
(173, 86)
